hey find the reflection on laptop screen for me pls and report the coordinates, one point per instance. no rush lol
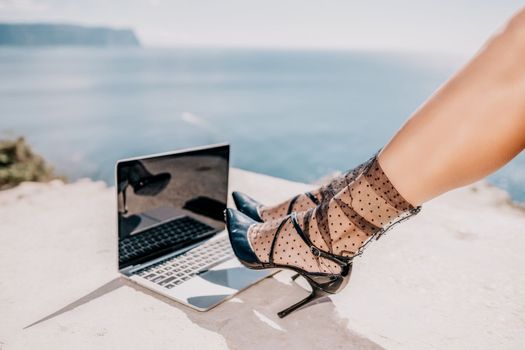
(169, 202)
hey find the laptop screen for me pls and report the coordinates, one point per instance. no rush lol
(168, 202)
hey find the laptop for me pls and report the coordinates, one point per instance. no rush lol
(171, 231)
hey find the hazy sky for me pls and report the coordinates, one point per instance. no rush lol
(417, 25)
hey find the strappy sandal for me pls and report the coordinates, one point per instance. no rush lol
(322, 284)
(249, 206)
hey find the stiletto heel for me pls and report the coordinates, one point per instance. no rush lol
(316, 293)
(336, 225)
(322, 284)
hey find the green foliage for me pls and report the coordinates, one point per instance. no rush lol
(18, 163)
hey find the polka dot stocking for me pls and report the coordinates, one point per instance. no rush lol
(310, 200)
(338, 226)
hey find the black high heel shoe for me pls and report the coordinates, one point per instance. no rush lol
(322, 284)
(249, 206)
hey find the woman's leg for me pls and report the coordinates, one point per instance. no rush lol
(471, 127)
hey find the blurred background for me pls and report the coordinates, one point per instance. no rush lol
(300, 88)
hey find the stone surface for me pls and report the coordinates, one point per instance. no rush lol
(453, 277)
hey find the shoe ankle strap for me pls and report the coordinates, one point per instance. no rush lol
(316, 251)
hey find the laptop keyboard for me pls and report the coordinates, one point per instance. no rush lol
(162, 236)
(177, 270)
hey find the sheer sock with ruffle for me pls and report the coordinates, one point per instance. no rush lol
(342, 225)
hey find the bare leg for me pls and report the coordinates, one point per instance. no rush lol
(469, 128)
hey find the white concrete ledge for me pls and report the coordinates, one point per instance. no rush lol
(451, 278)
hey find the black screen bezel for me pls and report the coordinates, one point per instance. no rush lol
(222, 150)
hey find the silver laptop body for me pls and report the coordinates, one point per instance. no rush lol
(171, 233)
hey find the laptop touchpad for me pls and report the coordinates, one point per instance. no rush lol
(211, 287)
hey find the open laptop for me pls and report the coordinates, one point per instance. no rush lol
(171, 233)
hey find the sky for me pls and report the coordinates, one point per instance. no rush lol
(454, 26)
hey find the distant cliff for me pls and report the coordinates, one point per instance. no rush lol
(64, 34)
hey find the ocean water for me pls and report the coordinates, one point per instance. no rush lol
(293, 114)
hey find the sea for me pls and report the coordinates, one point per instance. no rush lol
(296, 114)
